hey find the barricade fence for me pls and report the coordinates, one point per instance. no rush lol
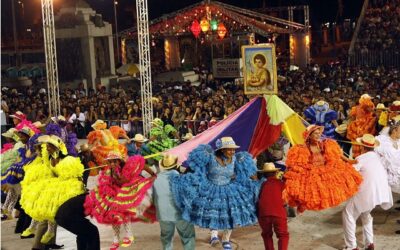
(387, 58)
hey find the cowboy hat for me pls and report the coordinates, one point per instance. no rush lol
(225, 142)
(18, 115)
(139, 138)
(268, 167)
(168, 161)
(38, 124)
(114, 155)
(321, 103)
(9, 133)
(59, 118)
(98, 123)
(365, 96)
(27, 131)
(380, 106)
(395, 106)
(368, 140)
(187, 136)
(84, 147)
(310, 129)
(341, 129)
(158, 122)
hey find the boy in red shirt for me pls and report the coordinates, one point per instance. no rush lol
(271, 210)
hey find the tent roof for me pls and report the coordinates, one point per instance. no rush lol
(234, 18)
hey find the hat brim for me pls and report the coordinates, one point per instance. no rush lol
(142, 141)
(169, 167)
(228, 147)
(360, 143)
(268, 171)
(340, 131)
(16, 117)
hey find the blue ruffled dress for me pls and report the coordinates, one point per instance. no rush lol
(15, 173)
(322, 117)
(210, 198)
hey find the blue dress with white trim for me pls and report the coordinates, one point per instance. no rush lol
(210, 198)
(322, 116)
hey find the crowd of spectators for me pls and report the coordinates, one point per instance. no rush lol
(191, 108)
(380, 29)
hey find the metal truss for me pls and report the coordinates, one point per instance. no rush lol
(145, 64)
(51, 57)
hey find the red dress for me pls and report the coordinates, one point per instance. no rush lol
(112, 202)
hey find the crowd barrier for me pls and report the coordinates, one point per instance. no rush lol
(387, 58)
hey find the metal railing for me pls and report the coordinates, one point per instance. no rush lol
(376, 58)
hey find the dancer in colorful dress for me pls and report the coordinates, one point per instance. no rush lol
(20, 121)
(59, 128)
(9, 152)
(374, 191)
(389, 151)
(47, 190)
(363, 122)
(15, 173)
(320, 114)
(122, 196)
(219, 194)
(159, 137)
(105, 140)
(318, 176)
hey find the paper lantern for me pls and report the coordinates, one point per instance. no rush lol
(214, 25)
(195, 28)
(204, 25)
(221, 30)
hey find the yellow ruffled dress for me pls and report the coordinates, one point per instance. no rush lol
(43, 193)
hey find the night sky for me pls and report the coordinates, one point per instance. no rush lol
(321, 11)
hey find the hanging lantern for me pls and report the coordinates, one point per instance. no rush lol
(214, 25)
(204, 25)
(221, 30)
(195, 28)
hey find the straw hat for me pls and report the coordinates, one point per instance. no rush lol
(380, 106)
(9, 133)
(18, 115)
(365, 96)
(321, 103)
(187, 137)
(99, 123)
(139, 138)
(168, 161)
(114, 155)
(157, 122)
(59, 118)
(268, 167)
(368, 140)
(43, 139)
(225, 142)
(38, 124)
(55, 141)
(310, 129)
(341, 129)
(84, 147)
(395, 106)
(27, 131)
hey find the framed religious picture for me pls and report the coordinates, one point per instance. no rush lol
(259, 69)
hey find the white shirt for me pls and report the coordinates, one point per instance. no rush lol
(81, 118)
(375, 189)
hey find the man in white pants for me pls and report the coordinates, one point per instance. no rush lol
(374, 191)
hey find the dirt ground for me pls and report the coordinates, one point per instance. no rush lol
(310, 230)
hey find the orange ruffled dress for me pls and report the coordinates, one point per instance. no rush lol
(319, 181)
(104, 141)
(364, 123)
